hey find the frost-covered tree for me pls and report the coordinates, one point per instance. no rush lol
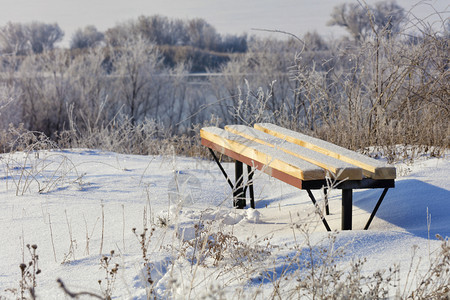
(135, 64)
(388, 17)
(17, 38)
(360, 20)
(43, 36)
(45, 91)
(202, 35)
(87, 37)
(314, 42)
(353, 17)
(162, 30)
(14, 39)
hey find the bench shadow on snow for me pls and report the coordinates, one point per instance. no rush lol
(270, 201)
(407, 204)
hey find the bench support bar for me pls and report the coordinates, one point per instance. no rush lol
(376, 208)
(221, 168)
(318, 210)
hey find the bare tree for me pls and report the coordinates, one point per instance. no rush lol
(17, 38)
(135, 63)
(87, 37)
(14, 39)
(353, 17)
(155, 29)
(43, 36)
(388, 17)
(314, 42)
(362, 20)
(202, 34)
(178, 33)
(91, 88)
(45, 91)
(266, 65)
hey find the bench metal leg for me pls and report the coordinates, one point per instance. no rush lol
(327, 207)
(249, 185)
(311, 196)
(250, 172)
(376, 208)
(347, 206)
(238, 191)
(239, 200)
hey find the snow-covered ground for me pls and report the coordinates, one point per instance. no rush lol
(90, 201)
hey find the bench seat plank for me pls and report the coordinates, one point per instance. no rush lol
(339, 170)
(371, 168)
(263, 154)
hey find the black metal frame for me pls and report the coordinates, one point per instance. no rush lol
(324, 221)
(239, 188)
(347, 187)
(347, 198)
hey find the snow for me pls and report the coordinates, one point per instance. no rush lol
(91, 200)
(316, 143)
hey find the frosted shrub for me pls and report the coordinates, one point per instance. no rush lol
(209, 247)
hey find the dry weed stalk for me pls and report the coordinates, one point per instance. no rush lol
(106, 285)
(51, 237)
(73, 243)
(144, 242)
(28, 271)
(111, 271)
(48, 171)
(434, 283)
(103, 228)
(212, 247)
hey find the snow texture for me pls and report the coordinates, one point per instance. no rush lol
(90, 200)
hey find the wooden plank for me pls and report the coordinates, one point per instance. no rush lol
(298, 183)
(371, 168)
(338, 169)
(263, 154)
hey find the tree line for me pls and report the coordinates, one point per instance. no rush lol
(381, 85)
(193, 40)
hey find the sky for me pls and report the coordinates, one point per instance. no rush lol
(231, 16)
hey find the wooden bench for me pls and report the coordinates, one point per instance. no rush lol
(302, 161)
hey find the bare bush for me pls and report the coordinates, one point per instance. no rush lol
(45, 91)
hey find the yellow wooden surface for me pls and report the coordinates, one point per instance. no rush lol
(269, 156)
(338, 169)
(371, 167)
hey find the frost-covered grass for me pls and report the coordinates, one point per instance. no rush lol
(130, 226)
